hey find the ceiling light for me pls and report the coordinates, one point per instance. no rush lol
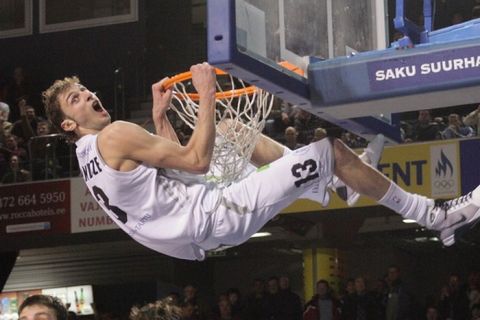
(261, 234)
(409, 221)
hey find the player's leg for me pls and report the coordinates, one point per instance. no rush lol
(249, 204)
(451, 218)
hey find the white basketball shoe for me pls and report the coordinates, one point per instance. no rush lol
(371, 155)
(455, 217)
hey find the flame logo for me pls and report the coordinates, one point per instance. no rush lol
(442, 165)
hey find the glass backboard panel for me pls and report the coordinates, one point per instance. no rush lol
(296, 30)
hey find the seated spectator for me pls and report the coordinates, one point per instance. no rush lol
(159, 310)
(323, 304)
(290, 137)
(15, 173)
(473, 119)
(319, 134)
(456, 129)
(424, 129)
(5, 126)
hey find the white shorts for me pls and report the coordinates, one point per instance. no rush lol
(246, 206)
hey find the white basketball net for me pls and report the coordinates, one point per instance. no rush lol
(235, 142)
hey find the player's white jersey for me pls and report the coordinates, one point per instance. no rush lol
(162, 209)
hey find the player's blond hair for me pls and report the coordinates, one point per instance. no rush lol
(52, 105)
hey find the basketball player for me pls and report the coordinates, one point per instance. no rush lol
(149, 184)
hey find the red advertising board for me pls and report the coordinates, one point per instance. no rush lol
(42, 208)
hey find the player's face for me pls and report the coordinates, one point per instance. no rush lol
(83, 108)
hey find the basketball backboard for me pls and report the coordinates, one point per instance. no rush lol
(341, 45)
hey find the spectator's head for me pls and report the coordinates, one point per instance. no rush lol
(474, 280)
(43, 128)
(173, 298)
(272, 285)
(319, 134)
(159, 310)
(454, 120)
(14, 163)
(439, 120)
(393, 274)
(291, 135)
(432, 313)
(189, 292)
(225, 309)
(284, 283)
(454, 282)
(233, 295)
(350, 286)
(11, 142)
(42, 307)
(18, 75)
(360, 286)
(30, 112)
(258, 286)
(323, 288)
(4, 111)
(424, 116)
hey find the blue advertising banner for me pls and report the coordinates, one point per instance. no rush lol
(433, 68)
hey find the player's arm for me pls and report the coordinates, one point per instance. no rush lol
(161, 103)
(123, 141)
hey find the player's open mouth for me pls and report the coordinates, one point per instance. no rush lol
(97, 107)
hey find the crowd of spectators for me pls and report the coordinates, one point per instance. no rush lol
(29, 149)
(389, 298)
